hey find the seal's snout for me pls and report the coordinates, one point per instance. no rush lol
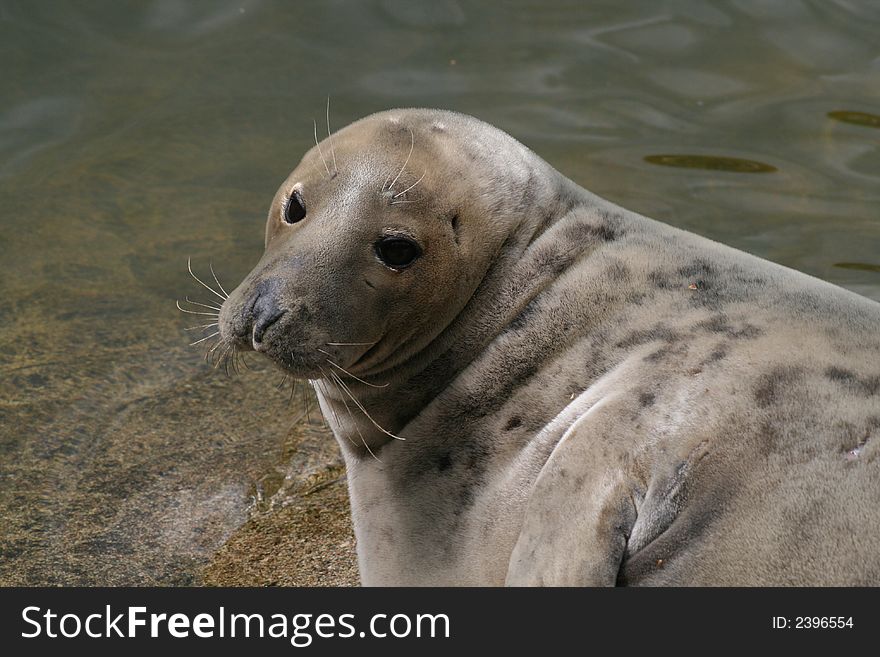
(247, 321)
(265, 310)
(265, 314)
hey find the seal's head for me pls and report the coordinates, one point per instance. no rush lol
(377, 240)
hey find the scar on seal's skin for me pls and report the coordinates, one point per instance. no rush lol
(513, 423)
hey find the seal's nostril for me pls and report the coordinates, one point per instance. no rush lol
(263, 321)
(261, 311)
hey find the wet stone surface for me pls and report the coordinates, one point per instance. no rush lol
(302, 534)
(127, 483)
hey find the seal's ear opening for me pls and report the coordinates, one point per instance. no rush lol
(452, 218)
(295, 208)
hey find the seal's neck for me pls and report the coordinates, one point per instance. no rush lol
(567, 227)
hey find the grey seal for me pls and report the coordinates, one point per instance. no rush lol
(533, 386)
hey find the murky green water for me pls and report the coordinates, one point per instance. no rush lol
(134, 135)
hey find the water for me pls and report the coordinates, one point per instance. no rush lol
(133, 136)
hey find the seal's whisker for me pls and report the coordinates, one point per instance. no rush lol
(339, 423)
(213, 349)
(401, 202)
(210, 352)
(281, 383)
(216, 356)
(361, 406)
(342, 369)
(336, 382)
(323, 418)
(207, 337)
(330, 137)
(226, 359)
(320, 152)
(305, 397)
(310, 394)
(356, 378)
(217, 280)
(210, 346)
(193, 312)
(336, 417)
(200, 327)
(412, 145)
(351, 416)
(201, 282)
(235, 358)
(410, 187)
(203, 305)
(222, 359)
(351, 344)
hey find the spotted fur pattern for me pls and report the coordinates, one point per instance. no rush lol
(612, 401)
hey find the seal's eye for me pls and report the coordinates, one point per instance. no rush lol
(397, 252)
(295, 209)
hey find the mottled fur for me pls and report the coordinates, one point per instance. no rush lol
(587, 396)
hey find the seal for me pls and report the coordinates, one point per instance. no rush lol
(533, 386)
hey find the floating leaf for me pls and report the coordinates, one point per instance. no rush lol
(857, 118)
(710, 162)
(861, 266)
